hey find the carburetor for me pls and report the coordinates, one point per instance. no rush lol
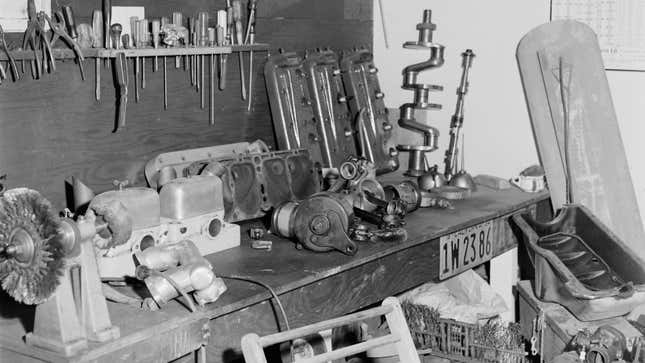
(319, 223)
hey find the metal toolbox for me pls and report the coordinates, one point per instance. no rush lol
(582, 265)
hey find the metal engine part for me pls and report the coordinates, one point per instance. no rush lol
(582, 265)
(374, 131)
(329, 102)
(358, 177)
(417, 165)
(169, 269)
(291, 105)
(319, 223)
(31, 253)
(184, 208)
(253, 180)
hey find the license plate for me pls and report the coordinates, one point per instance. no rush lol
(465, 249)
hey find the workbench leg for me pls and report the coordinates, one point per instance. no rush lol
(504, 275)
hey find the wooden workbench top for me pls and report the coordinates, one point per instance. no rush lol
(284, 268)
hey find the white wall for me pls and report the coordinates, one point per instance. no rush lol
(498, 135)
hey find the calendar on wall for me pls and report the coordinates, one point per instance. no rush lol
(619, 24)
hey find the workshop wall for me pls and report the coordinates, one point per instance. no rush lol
(497, 129)
(53, 128)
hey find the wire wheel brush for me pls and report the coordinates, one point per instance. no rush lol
(31, 253)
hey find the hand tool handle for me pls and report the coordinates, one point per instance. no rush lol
(156, 26)
(70, 22)
(115, 32)
(107, 22)
(121, 75)
(203, 28)
(97, 29)
(144, 35)
(134, 36)
(250, 25)
(237, 18)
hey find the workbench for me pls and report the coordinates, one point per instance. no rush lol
(312, 287)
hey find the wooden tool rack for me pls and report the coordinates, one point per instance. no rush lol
(312, 287)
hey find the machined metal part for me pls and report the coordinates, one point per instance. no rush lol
(431, 179)
(407, 192)
(582, 265)
(293, 117)
(417, 162)
(253, 179)
(360, 178)
(167, 268)
(456, 123)
(319, 223)
(330, 108)
(374, 131)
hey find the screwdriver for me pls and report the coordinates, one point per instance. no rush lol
(222, 35)
(99, 42)
(177, 19)
(156, 26)
(239, 37)
(164, 21)
(143, 40)
(121, 73)
(250, 39)
(211, 73)
(203, 41)
(134, 36)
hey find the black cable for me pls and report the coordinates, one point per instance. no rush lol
(273, 294)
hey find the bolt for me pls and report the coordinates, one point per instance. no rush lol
(379, 95)
(320, 225)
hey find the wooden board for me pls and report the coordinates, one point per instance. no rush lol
(53, 128)
(599, 173)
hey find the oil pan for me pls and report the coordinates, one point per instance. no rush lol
(582, 265)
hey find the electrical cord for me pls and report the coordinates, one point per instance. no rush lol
(273, 294)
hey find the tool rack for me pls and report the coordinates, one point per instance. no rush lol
(64, 53)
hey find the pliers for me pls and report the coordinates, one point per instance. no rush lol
(12, 61)
(58, 30)
(35, 35)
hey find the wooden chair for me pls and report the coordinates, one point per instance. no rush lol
(253, 345)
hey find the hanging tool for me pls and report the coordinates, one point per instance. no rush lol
(156, 26)
(250, 39)
(143, 26)
(134, 37)
(239, 38)
(203, 41)
(115, 35)
(121, 76)
(191, 58)
(164, 21)
(211, 73)
(11, 61)
(222, 39)
(35, 36)
(99, 41)
(70, 23)
(195, 40)
(177, 19)
(107, 23)
(59, 31)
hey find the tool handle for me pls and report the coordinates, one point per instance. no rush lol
(115, 33)
(156, 27)
(250, 25)
(121, 75)
(107, 22)
(70, 22)
(97, 29)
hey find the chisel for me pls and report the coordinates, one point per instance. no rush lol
(239, 37)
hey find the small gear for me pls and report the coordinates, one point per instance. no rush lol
(31, 253)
